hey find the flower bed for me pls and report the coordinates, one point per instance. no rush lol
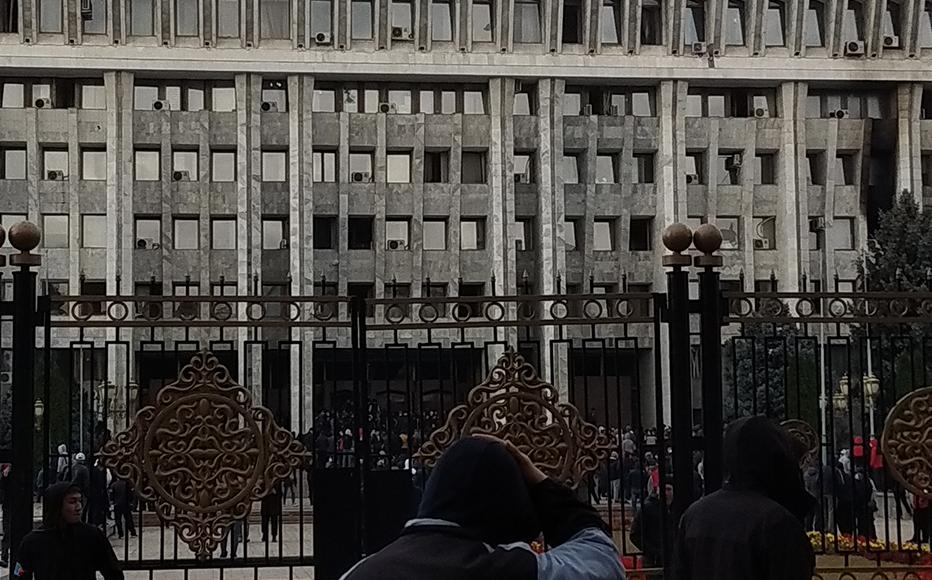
(909, 554)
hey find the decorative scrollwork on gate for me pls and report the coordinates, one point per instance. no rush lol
(514, 404)
(907, 441)
(803, 433)
(204, 454)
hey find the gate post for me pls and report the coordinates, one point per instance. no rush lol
(677, 238)
(708, 239)
(24, 236)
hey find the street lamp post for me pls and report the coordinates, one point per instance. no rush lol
(871, 386)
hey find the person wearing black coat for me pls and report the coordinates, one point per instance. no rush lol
(64, 548)
(753, 526)
(654, 527)
(121, 492)
(483, 504)
(271, 513)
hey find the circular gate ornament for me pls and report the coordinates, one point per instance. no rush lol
(907, 441)
(203, 454)
(803, 432)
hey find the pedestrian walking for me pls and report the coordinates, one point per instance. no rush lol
(122, 495)
(753, 526)
(922, 522)
(98, 502)
(233, 538)
(6, 500)
(484, 502)
(64, 548)
(271, 513)
(654, 527)
(64, 464)
(80, 474)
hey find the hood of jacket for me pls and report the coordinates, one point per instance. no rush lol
(52, 502)
(760, 457)
(479, 486)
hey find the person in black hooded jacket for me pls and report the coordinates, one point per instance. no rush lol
(753, 526)
(64, 548)
(483, 503)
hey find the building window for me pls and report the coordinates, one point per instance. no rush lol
(360, 166)
(147, 165)
(222, 166)
(815, 170)
(435, 234)
(14, 163)
(607, 168)
(184, 165)
(324, 288)
(223, 234)
(186, 234)
(397, 232)
(321, 18)
(274, 95)
(325, 166)
(524, 168)
(775, 23)
(186, 310)
(55, 232)
(186, 17)
(612, 21)
(223, 99)
(527, 21)
(144, 97)
(765, 233)
(325, 232)
(483, 22)
(695, 170)
(93, 288)
(148, 233)
(572, 22)
(729, 168)
(93, 96)
(472, 234)
(362, 19)
(474, 167)
(925, 26)
(695, 21)
(572, 103)
(852, 26)
(892, 23)
(363, 291)
(927, 170)
(473, 103)
(570, 173)
(50, 16)
(603, 235)
(401, 18)
(441, 21)
(274, 166)
(360, 233)
(436, 167)
(765, 169)
(645, 166)
(93, 231)
(841, 234)
(570, 235)
(8, 220)
(228, 18)
(94, 164)
(400, 101)
(97, 23)
(729, 228)
(651, 22)
(642, 104)
(523, 234)
(55, 163)
(274, 19)
(734, 23)
(815, 24)
(324, 101)
(57, 288)
(274, 233)
(399, 167)
(141, 17)
(641, 234)
(845, 169)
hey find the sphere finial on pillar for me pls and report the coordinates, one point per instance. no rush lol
(708, 240)
(2, 236)
(677, 238)
(25, 237)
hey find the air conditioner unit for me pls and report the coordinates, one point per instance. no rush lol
(87, 10)
(387, 108)
(700, 48)
(361, 177)
(283, 245)
(816, 224)
(839, 113)
(144, 244)
(854, 48)
(397, 32)
(268, 107)
(161, 105)
(891, 41)
(44, 103)
(323, 38)
(733, 161)
(761, 244)
(692, 179)
(522, 178)
(408, 34)
(181, 176)
(586, 111)
(760, 113)
(397, 245)
(55, 175)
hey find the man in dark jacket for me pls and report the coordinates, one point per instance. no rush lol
(64, 548)
(482, 505)
(654, 527)
(121, 492)
(753, 527)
